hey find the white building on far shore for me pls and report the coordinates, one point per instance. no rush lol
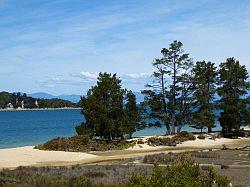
(10, 106)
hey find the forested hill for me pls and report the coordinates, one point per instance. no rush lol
(21, 100)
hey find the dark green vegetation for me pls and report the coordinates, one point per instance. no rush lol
(83, 143)
(183, 93)
(233, 164)
(166, 141)
(178, 170)
(112, 115)
(233, 85)
(181, 172)
(18, 99)
(205, 79)
(110, 112)
(171, 104)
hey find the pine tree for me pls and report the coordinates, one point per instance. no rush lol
(170, 104)
(103, 108)
(133, 115)
(107, 113)
(233, 86)
(205, 80)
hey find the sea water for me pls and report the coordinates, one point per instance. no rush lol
(32, 127)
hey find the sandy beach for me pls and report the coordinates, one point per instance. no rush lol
(27, 156)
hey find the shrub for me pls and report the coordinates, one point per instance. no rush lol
(224, 166)
(201, 136)
(184, 136)
(162, 158)
(140, 141)
(157, 141)
(205, 155)
(167, 141)
(183, 172)
(82, 143)
(221, 181)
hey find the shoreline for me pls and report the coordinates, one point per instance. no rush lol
(31, 109)
(28, 156)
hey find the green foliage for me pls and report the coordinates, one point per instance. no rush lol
(202, 137)
(205, 79)
(178, 170)
(40, 180)
(133, 115)
(170, 104)
(16, 99)
(83, 143)
(54, 103)
(184, 172)
(107, 114)
(5, 98)
(155, 141)
(167, 141)
(233, 85)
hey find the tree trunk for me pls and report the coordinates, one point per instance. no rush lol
(209, 129)
(168, 129)
(172, 129)
(130, 135)
(179, 128)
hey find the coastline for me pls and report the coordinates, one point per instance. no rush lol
(27, 156)
(34, 109)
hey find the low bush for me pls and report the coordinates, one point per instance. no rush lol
(184, 136)
(167, 141)
(162, 158)
(205, 154)
(140, 141)
(183, 172)
(224, 166)
(81, 143)
(201, 137)
(159, 141)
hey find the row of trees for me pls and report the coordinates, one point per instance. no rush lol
(182, 93)
(17, 99)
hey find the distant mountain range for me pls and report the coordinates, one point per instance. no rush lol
(73, 98)
(43, 95)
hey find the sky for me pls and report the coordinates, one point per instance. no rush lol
(60, 46)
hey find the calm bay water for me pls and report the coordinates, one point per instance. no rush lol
(22, 128)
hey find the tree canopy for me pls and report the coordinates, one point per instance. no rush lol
(233, 86)
(205, 74)
(107, 114)
(168, 99)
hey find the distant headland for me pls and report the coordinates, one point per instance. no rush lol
(21, 101)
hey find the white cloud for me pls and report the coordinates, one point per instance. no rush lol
(86, 74)
(138, 75)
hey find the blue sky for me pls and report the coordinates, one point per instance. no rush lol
(60, 46)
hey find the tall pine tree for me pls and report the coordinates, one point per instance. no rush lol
(133, 115)
(205, 83)
(106, 111)
(233, 86)
(168, 100)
